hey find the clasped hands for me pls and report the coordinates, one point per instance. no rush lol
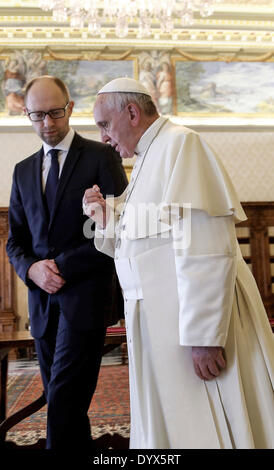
(46, 275)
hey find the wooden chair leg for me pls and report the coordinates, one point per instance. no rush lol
(124, 353)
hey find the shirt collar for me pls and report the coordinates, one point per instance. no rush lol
(63, 145)
(148, 135)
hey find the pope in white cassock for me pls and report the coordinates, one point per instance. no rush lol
(200, 345)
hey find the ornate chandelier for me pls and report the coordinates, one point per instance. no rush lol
(122, 13)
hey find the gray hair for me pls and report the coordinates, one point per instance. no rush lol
(119, 100)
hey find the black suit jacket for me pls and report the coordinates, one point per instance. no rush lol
(86, 298)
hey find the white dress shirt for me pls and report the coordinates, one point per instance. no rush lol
(64, 147)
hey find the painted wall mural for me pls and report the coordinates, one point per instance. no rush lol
(83, 78)
(179, 85)
(19, 68)
(215, 88)
(156, 74)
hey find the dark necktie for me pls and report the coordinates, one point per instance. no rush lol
(52, 180)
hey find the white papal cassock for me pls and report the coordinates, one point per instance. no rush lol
(203, 295)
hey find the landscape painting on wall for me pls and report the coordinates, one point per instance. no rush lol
(220, 88)
(191, 88)
(84, 78)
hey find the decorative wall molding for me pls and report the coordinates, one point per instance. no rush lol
(233, 26)
(227, 39)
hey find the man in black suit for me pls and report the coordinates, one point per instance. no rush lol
(70, 283)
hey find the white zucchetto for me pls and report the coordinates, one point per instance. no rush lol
(124, 85)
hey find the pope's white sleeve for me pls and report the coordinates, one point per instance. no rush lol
(104, 239)
(206, 274)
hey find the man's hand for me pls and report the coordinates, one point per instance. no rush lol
(46, 275)
(208, 361)
(94, 205)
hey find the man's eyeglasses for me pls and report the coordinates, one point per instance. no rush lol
(53, 114)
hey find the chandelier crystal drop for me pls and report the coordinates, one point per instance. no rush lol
(121, 13)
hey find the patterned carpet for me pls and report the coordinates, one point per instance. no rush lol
(109, 411)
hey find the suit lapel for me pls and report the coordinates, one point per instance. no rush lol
(37, 180)
(70, 162)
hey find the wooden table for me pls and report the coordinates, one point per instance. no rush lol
(22, 339)
(8, 341)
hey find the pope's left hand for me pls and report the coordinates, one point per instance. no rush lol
(208, 361)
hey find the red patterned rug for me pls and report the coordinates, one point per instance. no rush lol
(109, 411)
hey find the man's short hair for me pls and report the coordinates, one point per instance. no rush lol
(56, 80)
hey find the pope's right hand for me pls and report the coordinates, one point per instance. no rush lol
(94, 205)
